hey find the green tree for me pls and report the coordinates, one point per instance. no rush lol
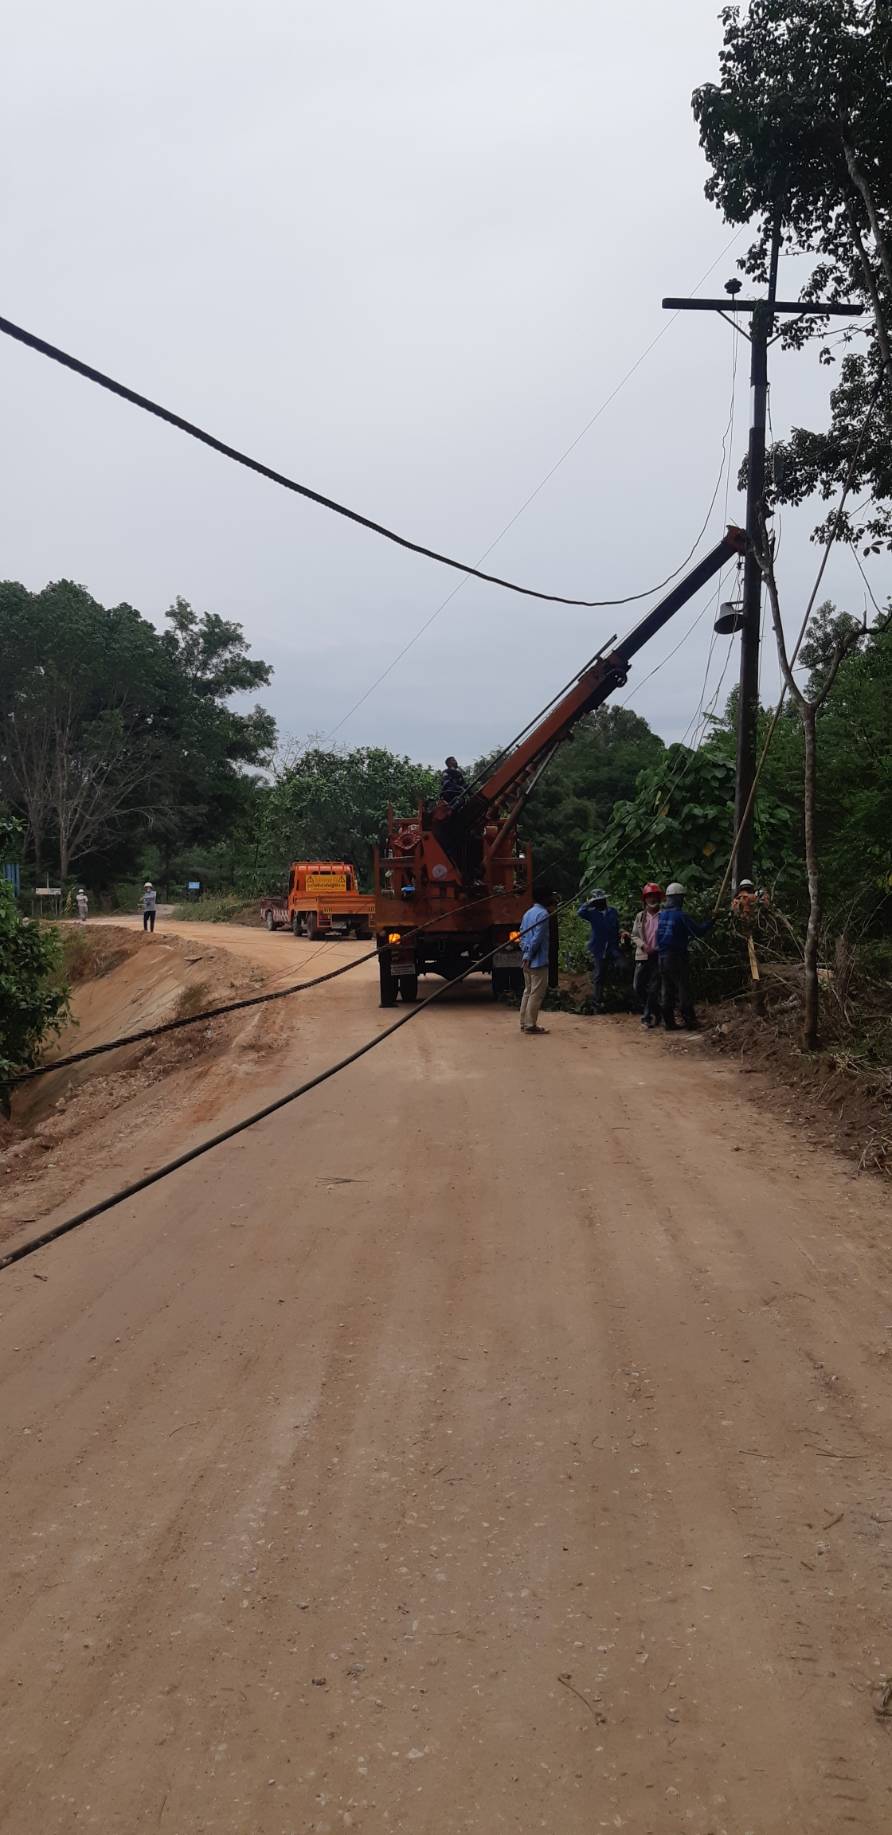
(680, 825)
(33, 997)
(333, 805)
(801, 123)
(114, 737)
(574, 799)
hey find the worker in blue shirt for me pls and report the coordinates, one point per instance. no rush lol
(535, 932)
(674, 933)
(603, 943)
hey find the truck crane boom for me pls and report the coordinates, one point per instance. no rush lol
(597, 681)
(452, 881)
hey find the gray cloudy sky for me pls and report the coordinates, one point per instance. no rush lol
(402, 252)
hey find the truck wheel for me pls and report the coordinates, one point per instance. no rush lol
(295, 923)
(409, 987)
(270, 921)
(499, 982)
(312, 925)
(389, 986)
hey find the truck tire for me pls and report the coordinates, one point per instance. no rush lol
(409, 987)
(499, 982)
(270, 921)
(295, 923)
(389, 984)
(312, 928)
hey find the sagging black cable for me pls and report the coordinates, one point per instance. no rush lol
(45, 349)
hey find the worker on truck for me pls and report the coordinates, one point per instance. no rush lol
(453, 783)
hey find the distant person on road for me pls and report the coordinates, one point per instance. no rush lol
(149, 902)
(83, 904)
(674, 932)
(453, 783)
(535, 930)
(646, 983)
(603, 943)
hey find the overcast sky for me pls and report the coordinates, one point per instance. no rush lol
(403, 253)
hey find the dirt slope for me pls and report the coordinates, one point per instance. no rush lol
(496, 1441)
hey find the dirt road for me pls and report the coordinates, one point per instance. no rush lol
(496, 1440)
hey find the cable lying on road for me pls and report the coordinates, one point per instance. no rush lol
(216, 1140)
(188, 1019)
(232, 1006)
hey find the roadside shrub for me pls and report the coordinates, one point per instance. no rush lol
(215, 908)
(33, 992)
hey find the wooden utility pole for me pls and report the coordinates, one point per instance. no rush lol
(761, 334)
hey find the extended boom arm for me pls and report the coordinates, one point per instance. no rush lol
(595, 684)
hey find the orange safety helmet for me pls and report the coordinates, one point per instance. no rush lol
(651, 890)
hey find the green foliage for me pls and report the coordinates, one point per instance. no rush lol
(33, 997)
(333, 806)
(213, 908)
(680, 825)
(574, 799)
(802, 111)
(114, 737)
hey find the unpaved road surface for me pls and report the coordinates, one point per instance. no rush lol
(496, 1440)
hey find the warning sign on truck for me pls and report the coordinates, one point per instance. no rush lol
(326, 882)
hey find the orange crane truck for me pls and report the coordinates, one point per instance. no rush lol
(452, 881)
(323, 900)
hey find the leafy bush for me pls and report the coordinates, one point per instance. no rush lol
(33, 994)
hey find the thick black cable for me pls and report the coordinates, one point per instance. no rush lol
(188, 1019)
(216, 1140)
(232, 1006)
(45, 349)
(184, 1159)
(290, 484)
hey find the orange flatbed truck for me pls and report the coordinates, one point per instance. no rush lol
(323, 900)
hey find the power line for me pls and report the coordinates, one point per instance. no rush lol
(80, 368)
(46, 1237)
(605, 404)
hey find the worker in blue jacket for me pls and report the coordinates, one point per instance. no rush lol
(603, 943)
(674, 933)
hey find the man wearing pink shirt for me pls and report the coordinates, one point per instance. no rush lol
(647, 955)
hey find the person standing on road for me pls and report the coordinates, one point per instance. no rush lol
(535, 929)
(646, 983)
(149, 902)
(674, 931)
(603, 943)
(82, 903)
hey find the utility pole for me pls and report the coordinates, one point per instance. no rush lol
(761, 334)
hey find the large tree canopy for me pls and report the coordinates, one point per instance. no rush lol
(800, 123)
(113, 735)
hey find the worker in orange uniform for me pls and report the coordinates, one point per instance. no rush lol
(747, 904)
(535, 930)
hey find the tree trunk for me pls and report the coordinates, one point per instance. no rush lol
(808, 716)
(870, 287)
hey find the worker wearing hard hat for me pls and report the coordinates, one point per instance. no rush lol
(675, 928)
(149, 905)
(646, 983)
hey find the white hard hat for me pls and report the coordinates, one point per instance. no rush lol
(675, 890)
(148, 886)
(599, 893)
